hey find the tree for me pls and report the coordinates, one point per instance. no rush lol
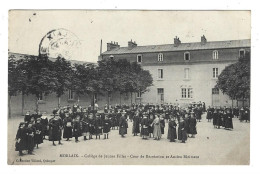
(63, 74)
(234, 80)
(41, 76)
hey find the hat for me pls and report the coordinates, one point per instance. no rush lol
(38, 119)
(123, 112)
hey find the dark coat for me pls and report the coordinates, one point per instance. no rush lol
(182, 133)
(136, 124)
(215, 118)
(67, 133)
(76, 129)
(187, 121)
(219, 119)
(162, 125)
(228, 121)
(30, 132)
(192, 126)
(92, 129)
(150, 127)
(20, 139)
(123, 126)
(38, 133)
(55, 129)
(106, 126)
(172, 130)
(144, 128)
(98, 126)
(85, 125)
(209, 114)
(44, 123)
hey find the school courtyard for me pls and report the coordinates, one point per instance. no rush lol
(210, 147)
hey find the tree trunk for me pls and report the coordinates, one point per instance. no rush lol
(131, 98)
(237, 103)
(120, 98)
(58, 102)
(22, 103)
(232, 103)
(9, 106)
(243, 102)
(37, 105)
(108, 99)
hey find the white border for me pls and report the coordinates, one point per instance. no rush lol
(133, 4)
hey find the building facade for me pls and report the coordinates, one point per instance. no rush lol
(183, 72)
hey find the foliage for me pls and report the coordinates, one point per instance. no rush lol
(234, 80)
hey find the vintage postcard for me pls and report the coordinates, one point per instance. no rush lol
(129, 87)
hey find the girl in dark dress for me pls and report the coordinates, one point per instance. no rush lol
(106, 127)
(85, 127)
(150, 127)
(144, 129)
(123, 125)
(20, 144)
(229, 122)
(38, 132)
(182, 133)
(67, 132)
(55, 126)
(136, 124)
(98, 126)
(209, 114)
(92, 123)
(30, 132)
(76, 129)
(44, 122)
(215, 118)
(172, 130)
(162, 124)
(192, 126)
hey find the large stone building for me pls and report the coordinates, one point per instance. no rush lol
(183, 72)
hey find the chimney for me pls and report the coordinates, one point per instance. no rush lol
(112, 45)
(177, 41)
(203, 40)
(131, 44)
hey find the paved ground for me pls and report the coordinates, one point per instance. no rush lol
(211, 146)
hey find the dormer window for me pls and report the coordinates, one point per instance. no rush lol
(160, 57)
(139, 58)
(242, 52)
(186, 56)
(215, 54)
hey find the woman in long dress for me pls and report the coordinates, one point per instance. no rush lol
(172, 130)
(156, 128)
(182, 132)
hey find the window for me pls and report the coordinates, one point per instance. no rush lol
(186, 56)
(138, 95)
(70, 95)
(241, 53)
(40, 98)
(186, 73)
(160, 73)
(215, 91)
(160, 92)
(139, 58)
(215, 54)
(160, 57)
(215, 72)
(186, 93)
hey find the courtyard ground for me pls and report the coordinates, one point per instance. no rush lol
(210, 147)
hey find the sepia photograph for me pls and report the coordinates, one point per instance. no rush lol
(129, 87)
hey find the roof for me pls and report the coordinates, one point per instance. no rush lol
(21, 56)
(181, 47)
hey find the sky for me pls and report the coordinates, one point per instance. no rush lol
(28, 27)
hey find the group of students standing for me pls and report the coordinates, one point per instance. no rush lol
(148, 121)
